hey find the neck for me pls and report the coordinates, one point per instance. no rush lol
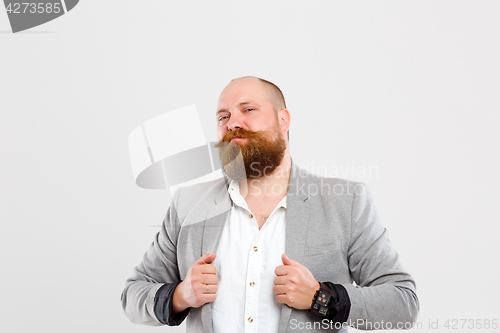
(271, 185)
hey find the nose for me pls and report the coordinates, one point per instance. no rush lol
(234, 122)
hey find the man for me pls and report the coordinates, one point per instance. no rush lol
(269, 247)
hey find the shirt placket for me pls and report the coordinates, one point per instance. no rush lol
(252, 287)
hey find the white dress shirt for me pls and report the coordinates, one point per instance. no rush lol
(245, 263)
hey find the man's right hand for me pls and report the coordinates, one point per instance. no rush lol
(199, 286)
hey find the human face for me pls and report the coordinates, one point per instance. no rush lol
(262, 150)
(245, 104)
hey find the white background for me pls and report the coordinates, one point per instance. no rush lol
(410, 89)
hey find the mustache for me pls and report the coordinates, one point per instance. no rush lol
(241, 133)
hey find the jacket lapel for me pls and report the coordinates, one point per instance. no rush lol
(297, 219)
(215, 221)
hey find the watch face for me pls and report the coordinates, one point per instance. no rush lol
(319, 306)
(323, 298)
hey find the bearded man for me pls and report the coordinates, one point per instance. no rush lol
(269, 247)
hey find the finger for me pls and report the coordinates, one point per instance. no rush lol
(206, 269)
(279, 290)
(281, 299)
(209, 279)
(211, 289)
(203, 288)
(201, 261)
(287, 261)
(206, 259)
(281, 270)
(210, 258)
(280, 280)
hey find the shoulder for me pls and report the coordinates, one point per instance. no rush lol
(194, 200)
(198, 192)
(205, 186)
(326, 187)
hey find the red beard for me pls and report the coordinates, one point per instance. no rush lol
(260, 155)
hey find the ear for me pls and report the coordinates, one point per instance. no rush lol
(284, 119)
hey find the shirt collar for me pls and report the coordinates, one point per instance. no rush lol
(237, 198)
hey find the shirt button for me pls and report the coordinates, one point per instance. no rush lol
(250, 319)
(252, 284)
(250, 216)
(255, 249)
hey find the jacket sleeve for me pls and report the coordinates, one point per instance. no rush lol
(158, 267)
(384, 296)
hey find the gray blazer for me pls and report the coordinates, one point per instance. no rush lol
(331, 227)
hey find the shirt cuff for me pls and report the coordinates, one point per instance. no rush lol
(340, 306)
(163, 307)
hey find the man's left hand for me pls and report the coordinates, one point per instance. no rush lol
(294, 284)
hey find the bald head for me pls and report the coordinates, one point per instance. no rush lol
(275, 94)
(251, 93)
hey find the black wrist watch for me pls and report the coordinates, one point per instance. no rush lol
(320, 301)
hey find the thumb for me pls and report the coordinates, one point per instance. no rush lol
(286, 260)
(206, 259)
